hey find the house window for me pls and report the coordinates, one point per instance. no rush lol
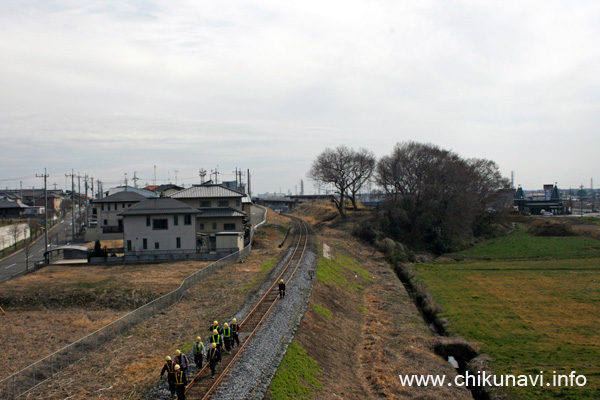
(145, 244)
(229, 227)
(160, 224)
(108, 207)
(156, 245)
(237, 203)
(175, 220)
(201, 227)
(223, 203)
(129, 245)
(205, 203)
(187, 219)
(178, 242)
(128, 205)
(214, 225)
(105, 222)
(101, 207)
(147, 221)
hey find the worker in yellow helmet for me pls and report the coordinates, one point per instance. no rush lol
(180, 382)
(215, 325)
(235, 329)
(227, 337)
(216, 339)
(198, 352)
(169, 368)
(182, 360)
(281, 289)
(214, 357)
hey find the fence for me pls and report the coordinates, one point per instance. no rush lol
(33, 375)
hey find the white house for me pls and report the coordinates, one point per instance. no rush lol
(106, 210)
(160, 225)
(222, 208)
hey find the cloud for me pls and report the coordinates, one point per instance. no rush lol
(124, 86)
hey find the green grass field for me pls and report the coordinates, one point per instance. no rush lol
(520, 245)
(528, 315)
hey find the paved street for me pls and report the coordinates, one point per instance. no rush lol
(60, 234)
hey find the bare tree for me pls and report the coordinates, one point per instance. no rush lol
(332, 167)
(27, 244)
(15, 230)
(435, 196)
(361, 167)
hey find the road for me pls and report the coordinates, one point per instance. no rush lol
(14, 264)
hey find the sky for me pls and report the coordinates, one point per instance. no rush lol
(108, 88)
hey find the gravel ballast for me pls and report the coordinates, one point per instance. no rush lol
(254, 369)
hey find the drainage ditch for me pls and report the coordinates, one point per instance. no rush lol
(460, 353)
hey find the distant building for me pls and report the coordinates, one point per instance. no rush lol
(105, 210)
(166, 190)
(550, 202)
(11, 209)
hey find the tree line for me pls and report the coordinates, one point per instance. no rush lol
(434, 198)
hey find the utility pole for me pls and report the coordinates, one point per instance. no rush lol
(176, 171)
(216, 173)
(72, 175)
(249, 185)
(135, 179)
(78, 198)
(581, 201)
(86, 201)
(45, 176)
(240, 174)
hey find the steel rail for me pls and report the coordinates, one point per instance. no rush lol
(302, 243)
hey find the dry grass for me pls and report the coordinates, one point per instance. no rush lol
(375, 333)
(130, 364)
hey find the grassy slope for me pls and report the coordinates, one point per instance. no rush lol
(529, 316)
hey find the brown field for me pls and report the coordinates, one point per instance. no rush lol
(57, 305)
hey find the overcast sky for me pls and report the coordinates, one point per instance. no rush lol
(112, 87)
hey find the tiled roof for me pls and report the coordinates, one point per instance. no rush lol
(160, 205)
(221, 212)
(121, 197)
(206, 192)
(4, 203)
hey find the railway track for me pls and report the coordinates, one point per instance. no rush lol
(202, 385)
